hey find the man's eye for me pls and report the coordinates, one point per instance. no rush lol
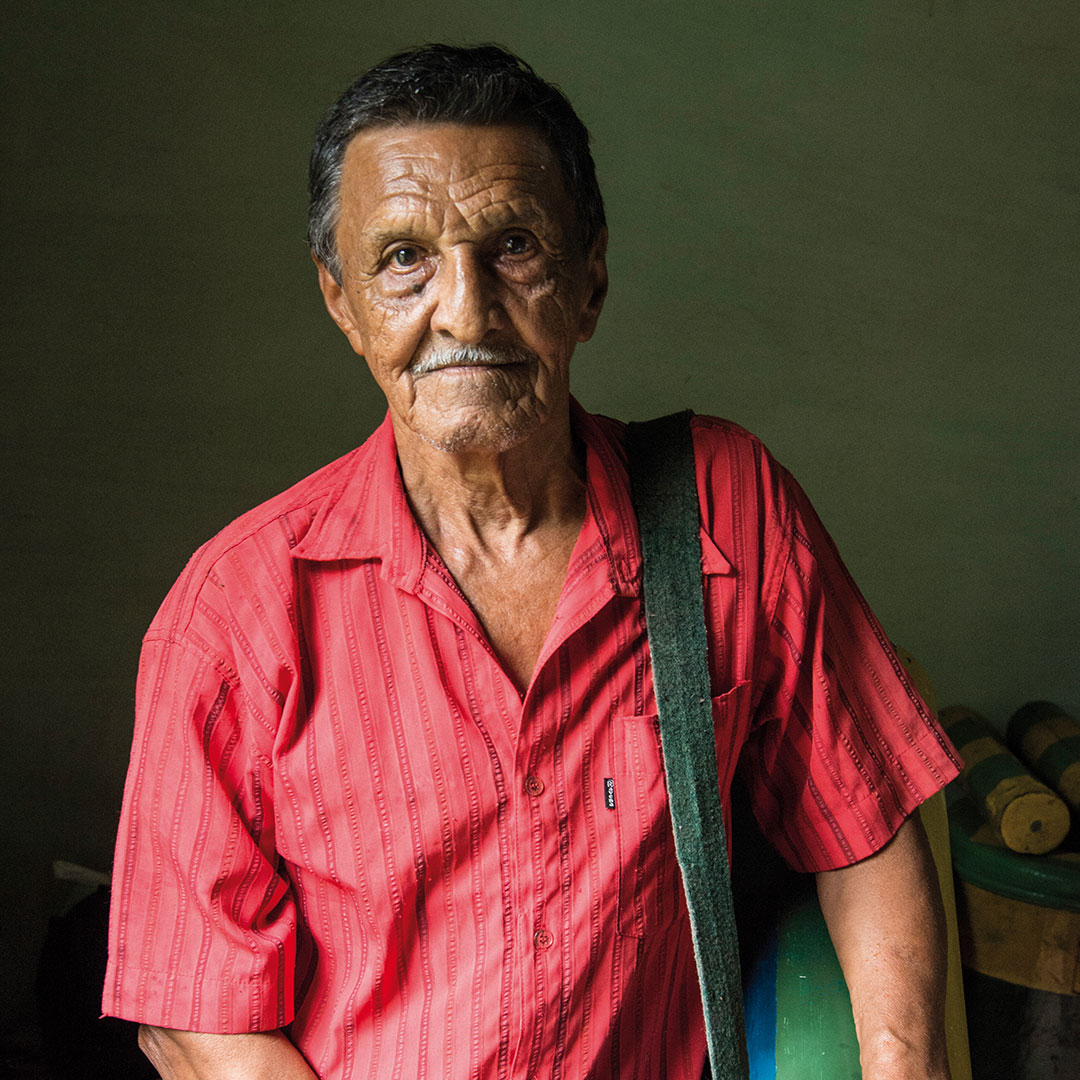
(516, 244)
(405, 256)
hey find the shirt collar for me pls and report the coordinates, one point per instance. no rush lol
(610, 513)
(366, 516)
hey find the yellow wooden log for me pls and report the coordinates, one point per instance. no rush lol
(1048, 740)
(1031, 818)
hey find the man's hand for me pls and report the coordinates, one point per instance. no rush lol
(887, 924)
(189, 1055)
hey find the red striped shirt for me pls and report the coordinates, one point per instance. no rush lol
(341, 814)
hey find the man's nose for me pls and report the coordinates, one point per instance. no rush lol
(467, 303)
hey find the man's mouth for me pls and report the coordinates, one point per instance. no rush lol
(470, 356)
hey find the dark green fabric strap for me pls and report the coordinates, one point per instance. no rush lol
(664, 488)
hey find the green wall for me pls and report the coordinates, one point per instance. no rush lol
(851, 227)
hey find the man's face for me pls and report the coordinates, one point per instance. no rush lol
(464, 285)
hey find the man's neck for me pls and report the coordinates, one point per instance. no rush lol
(505, 525)
(495, 499)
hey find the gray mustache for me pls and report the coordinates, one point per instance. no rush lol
(471, 356)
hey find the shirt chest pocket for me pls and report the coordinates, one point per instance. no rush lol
(649, 883)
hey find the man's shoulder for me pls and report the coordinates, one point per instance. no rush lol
(285, 516)
(736, 467)
(727, 456)
(254, 551)
(714, 432)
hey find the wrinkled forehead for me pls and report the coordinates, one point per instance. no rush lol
(415, 168)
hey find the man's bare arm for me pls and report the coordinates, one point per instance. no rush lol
(888, 927)
(188, 1055)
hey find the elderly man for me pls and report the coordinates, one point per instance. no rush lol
(396, 805)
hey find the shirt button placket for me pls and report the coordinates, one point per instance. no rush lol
(534, 785)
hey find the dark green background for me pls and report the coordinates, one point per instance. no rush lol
(851, 227)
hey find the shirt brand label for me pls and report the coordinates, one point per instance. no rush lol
(609, 792)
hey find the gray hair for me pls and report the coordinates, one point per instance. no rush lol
(445, 84)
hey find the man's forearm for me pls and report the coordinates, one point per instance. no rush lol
(886, 921)
(188, 1055)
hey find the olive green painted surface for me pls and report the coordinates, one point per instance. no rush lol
(850, 227)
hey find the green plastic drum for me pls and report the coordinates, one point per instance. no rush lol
(798, 1012)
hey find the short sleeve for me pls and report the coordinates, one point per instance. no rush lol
(842, 749)
(203, 926)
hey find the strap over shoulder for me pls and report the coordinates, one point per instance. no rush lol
(664, 490)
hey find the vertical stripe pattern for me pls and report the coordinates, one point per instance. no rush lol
(341, 814)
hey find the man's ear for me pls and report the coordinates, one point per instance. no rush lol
(597, 281)
(338, 306)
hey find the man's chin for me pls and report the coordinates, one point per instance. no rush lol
(485, 432)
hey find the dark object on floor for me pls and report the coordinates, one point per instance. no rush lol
(1021, 1034)
(78, 1044)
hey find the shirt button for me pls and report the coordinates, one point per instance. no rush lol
(534, 785)
(543, 939)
